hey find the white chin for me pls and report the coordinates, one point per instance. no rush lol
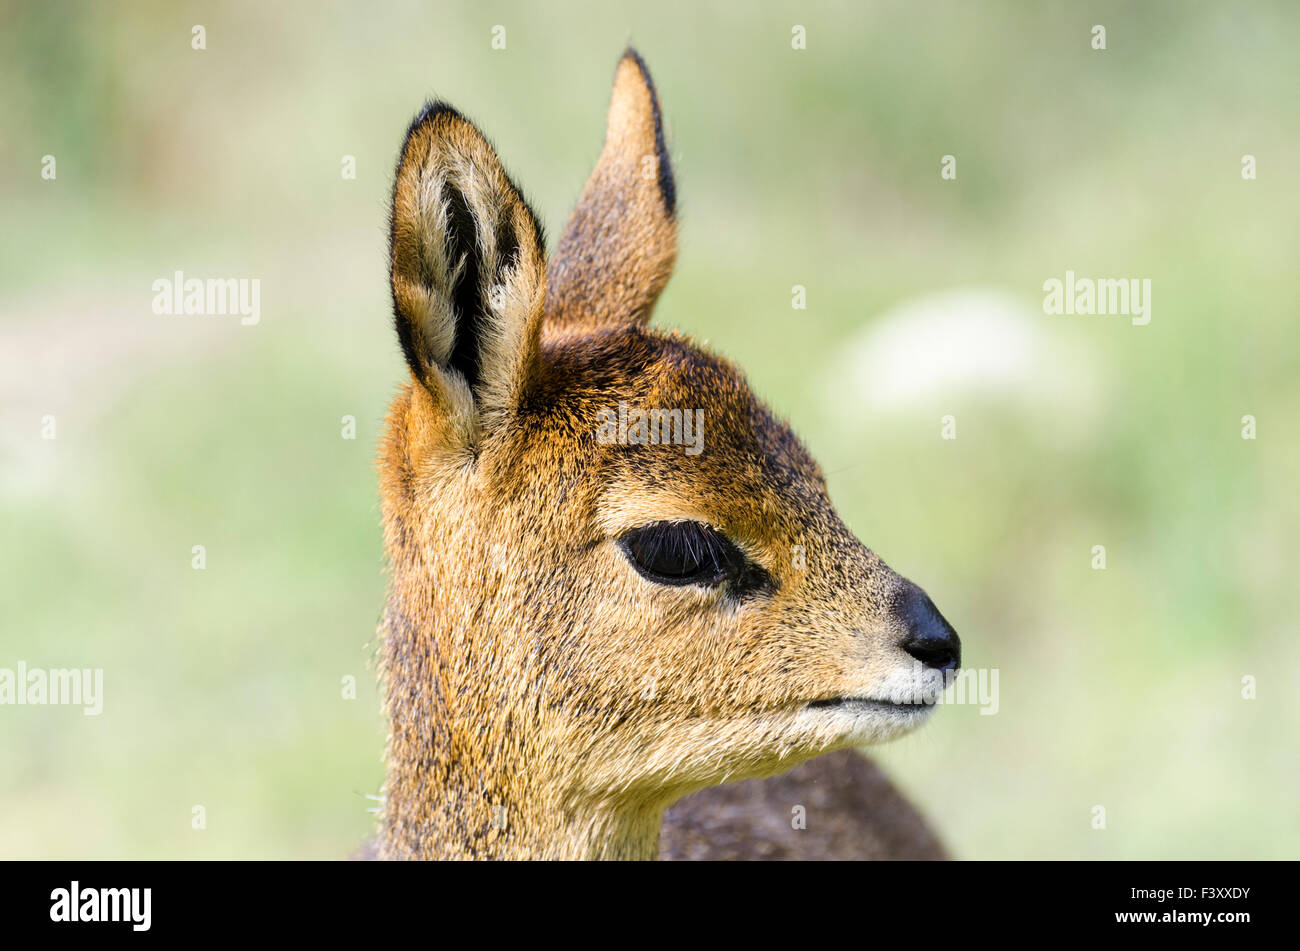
(865, 721)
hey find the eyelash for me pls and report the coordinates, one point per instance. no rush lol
(707, 556)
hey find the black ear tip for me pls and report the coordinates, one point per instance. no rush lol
(431, 110)
(437, 107)
(634, 56)
(631, 53)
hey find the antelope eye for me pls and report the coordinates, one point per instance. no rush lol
(681, 553)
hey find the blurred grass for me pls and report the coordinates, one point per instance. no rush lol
(1119, 688)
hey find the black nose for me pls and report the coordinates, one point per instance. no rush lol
(930, 638)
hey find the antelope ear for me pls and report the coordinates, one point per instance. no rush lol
(618, 250)
(467, 266)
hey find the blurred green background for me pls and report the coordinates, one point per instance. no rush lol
(820, 168)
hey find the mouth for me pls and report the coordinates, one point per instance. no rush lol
(865, 704)
(864, 720)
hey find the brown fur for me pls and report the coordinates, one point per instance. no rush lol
(545, 699)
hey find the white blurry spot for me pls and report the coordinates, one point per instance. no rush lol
(947, 352)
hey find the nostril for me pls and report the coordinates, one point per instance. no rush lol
(938, 655)
(931, 639)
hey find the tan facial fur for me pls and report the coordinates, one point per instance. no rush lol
(546, 699)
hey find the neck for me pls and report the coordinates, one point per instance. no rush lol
(447, 818)
(479, 774)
